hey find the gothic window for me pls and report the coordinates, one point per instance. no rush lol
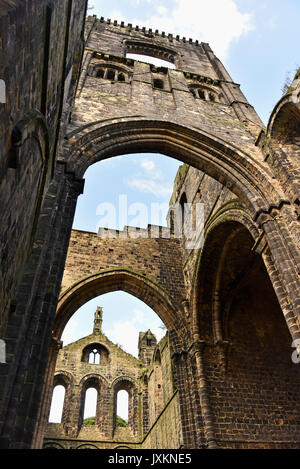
(90, 405)
(201, 94)
(125, 405)
(94, 357)
(100, 73)
(122, 408)
(111, 74)
(95, 354)
(158, 397)
(121, 77)
(57, 404)
(183, 202)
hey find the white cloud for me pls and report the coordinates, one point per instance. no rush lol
(150, 186)
(139, 315)
(218, 22)
(148, 165)
(151, 181)
(151, 169)
(126, 333)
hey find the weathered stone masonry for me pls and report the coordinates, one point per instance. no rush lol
(153, 400)
(228, 307)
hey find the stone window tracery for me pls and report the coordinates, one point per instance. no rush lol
(111, 72)
(94, 357)
(205, 94)
(95, 354)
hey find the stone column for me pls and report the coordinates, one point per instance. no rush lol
(285, 257)
(197, 350)
(185, 389)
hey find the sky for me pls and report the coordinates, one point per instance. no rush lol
(258, 42)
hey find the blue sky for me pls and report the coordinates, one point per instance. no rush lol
(258, 42)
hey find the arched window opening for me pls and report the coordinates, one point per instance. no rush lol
(95, 354)
(94, 357)
(193, 92)
(57, 404)
(111, 75)
(122, 408)
(159, 84)
(125, 406)
(100, 73)
(201, 94)
(152, 60)
(90, 406)
(212, 97)
(121, 77)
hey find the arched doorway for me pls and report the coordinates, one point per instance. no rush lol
(251, 380)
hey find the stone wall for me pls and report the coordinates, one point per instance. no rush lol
(153, 398)
(35, 43)
(41, 46)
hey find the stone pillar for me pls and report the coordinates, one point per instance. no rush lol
(197, 350)
(187, 408)
(145, 407)
(285, 256)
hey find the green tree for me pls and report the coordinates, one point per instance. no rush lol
(121, 422)
(89, 421)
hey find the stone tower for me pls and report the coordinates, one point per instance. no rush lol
(98, 319)
(147, 344)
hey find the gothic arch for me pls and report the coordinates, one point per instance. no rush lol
(94, 381)
(233, 212)
(125, 383)
(244, 174)
(93, 376)
(121, 279)
(247, 175)
(240, 329)
(225, 229)
(100, 348)
(280, 142)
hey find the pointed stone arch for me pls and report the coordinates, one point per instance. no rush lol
(131, 282)
(245, 174)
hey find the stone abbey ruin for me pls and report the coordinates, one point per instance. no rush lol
(223, 376)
